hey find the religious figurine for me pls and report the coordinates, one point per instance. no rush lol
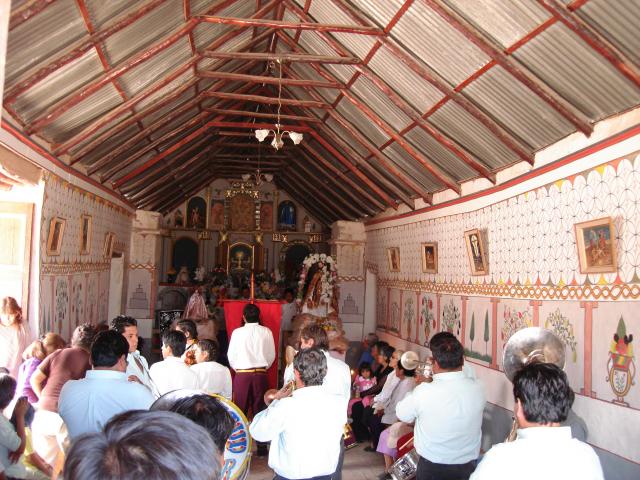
(178, 219)
(195, 217)
(307, 224)
(196, 307)
(183, 276)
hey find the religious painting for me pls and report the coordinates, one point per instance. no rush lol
(178, 219)
(217, 215)
(393, 258)
(266, 216)
(109, 242)
(477, 252)
(430, 257)
(196, 213)
(242, 213)
(287, 216)
(56, 232)
(240, 257)
(596, 242)
(85, 234)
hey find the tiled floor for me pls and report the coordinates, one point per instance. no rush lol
(358, 465)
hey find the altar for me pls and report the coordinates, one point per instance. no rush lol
(270, 317)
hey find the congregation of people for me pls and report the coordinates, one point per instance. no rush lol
(95, 409)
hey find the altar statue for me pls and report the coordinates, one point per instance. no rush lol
(316, 288)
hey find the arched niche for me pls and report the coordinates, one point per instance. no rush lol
(185, 254)
(291, 257)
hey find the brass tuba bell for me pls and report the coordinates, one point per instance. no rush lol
(411, 361)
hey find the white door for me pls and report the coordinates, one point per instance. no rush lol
(116, 283)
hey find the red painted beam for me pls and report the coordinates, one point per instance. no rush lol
(280, 25)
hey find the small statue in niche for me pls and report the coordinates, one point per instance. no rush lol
(183, 276)
(307, 224)
(195, 218)
(178, 219)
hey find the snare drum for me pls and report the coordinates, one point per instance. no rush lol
(405, 467)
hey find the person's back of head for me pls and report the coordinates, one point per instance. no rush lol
(210, 347)
(144, 444)
(251, 313)
(544, 392)
(7, 390)
(83, 336)
(311, 365)
(209, 413)
(52, 342)
(316, 333)
(109, 350)
(188, 327)
(447, 351)
(121, 322)
(34, 350)
(176, 340)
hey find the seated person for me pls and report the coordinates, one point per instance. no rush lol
(86, 405)
(142, 444)
(305, 429)
(543, 448)
(208, 412)
(12, 439)
(172, 373)
(212, 377)
(363, 381)
(190, 330)
(137, 366)
(34, 464)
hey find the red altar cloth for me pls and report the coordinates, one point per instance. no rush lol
(270, 317)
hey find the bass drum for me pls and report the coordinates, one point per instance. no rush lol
(237, 452)
(406, 467)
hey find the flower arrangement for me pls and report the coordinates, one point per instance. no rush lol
(327, 268)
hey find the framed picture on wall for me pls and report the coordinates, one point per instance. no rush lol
(430, 257)
(477, 252)
(109, 241)
(85, 234)
(393, 258)
(596, 242)
(56, 232)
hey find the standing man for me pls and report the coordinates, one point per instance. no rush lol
(56, 370)
(172, 373)
(137, 366)
(251, 352)
(305, 428)
(447, 414)
(543, 448)
(86, 405)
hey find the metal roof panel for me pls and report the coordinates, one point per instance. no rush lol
(101, 12)
(405, 162)
(379, 102)
(354, 116)
(379, 12)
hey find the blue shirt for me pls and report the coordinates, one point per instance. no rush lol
(448, 417)
(86, 405)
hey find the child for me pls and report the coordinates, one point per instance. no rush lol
(33, 355)
(363, 382)
(36, 467)
(212, 376)
(12, 439)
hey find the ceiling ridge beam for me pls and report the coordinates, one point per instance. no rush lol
(268, 79)
(262, 115)
(269, 100)
(552, 98)
(284, 57)
(282, 25)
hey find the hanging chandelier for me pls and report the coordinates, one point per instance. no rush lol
(257, 177)
(278, 135)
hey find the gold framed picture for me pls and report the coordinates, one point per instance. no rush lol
(85, 234)
(109, 241)
(476, 249)
(596, 242)
(430, 257)
(54, 239)
(393, 257)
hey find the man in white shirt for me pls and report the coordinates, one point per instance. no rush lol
(212, 377)
(447, 414)
(543, 448)
(172, 373)
(86, 405)
(304, 429)
(137, 366)
(251, 352)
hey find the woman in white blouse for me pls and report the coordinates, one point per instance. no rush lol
(14, 335)
(212, 376)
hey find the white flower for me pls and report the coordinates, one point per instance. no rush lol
(322, 256)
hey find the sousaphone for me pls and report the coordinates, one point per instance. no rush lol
(529, 345)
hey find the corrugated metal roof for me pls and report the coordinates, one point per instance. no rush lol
(109, 145)
(380, 103)
(518, 108)
(504, 20)
(102, 12)
(397, 155)
(354, 116)
(164, 91)
(438, 44)
(379, 12)
(339, 131)
(577, 72)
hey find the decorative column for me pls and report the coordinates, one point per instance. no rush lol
(588, 346)
(348, 240)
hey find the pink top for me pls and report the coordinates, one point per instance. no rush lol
(361, 384)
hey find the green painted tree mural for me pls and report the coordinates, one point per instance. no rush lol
(486, 331)
(472, 331)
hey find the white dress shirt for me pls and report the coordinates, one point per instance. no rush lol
(305, 431)
(251, 346)
(448, 417)
(403, 387)
(387, 389)
(172, 374)
(337, 381)
(540, 452)
(87, 404)
(137, 365)
(213, 378)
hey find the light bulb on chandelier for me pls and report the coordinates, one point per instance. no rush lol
(278, 136)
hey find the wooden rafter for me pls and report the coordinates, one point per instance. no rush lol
(269, 100)
(323, 214)
(284, 57)
(248, 113)
(294, 82)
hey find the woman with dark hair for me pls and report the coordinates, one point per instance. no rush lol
(14, 335)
